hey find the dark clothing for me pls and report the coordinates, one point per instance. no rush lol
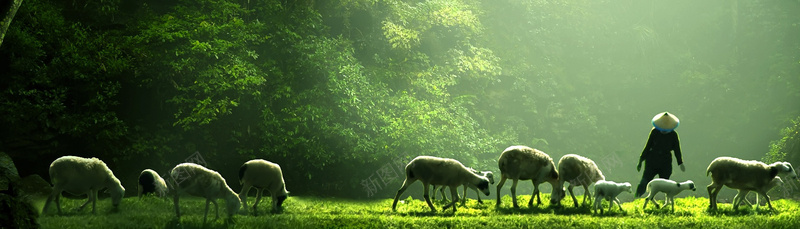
(657, 157)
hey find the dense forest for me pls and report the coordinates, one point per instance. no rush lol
(343, 93)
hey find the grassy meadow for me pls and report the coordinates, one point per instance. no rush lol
(314, 212)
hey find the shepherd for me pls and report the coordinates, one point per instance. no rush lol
(657, 153)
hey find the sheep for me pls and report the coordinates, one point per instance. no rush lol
(742, 193)
(440, 171)
(744, 175)
(609, 190)
(262, 175)
(578, 171)
(199, 181)
(78, 175)
(488, 174)
(151, 182)
(668, 187)
(524, 163)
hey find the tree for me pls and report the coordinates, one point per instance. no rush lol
(8, 9)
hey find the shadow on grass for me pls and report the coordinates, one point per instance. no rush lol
(183, 224)
(742, 211)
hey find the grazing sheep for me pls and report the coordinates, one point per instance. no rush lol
(578, 171)
(199, 181)
(151, 182)
(609, 190)
(79, 176)
(668, 187)
(440, 171)
(742, 193)
(262, 175)
(488, 174)
(524, 163)
(744, 175)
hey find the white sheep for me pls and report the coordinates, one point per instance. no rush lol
(80, 176)
(488, 174)
(262, 175)
(742, 193)
(151, 182)
(744, 175)
(578, 171)
(199, 181)
(668, 187)
(440, 171)
(524, 163)
(609, 191)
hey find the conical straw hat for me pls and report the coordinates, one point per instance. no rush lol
(665, 121)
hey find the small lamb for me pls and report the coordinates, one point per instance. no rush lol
(578, 171)
(744, 175)
(151, 182)
(525, 163)
(440, 171)
(609, 191)
(742, 193)
(488, 174)
(668, 187)
(262, 175)
(199, 181)
(78, 175)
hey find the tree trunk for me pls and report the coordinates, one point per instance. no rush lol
(8, 8)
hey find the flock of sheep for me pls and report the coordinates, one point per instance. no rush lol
(525, 163)
(79, 176)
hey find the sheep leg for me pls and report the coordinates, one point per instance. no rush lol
(454, 194)
(464, 193)
(205, 214)
(402, 189)
(618, 205)
(243, 196)
(477, 193)
(259, 194)
(427, 198)
(499, 186)
(574, 200)
(54, 196)
(764, 194)
(713, 190)
(536, 194)
(93, 199)
(597, 201)
(177, 207)
(671, 202)
(441, 191)
(514, 192)
(586, 194)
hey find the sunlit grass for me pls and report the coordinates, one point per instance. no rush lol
(314, 212)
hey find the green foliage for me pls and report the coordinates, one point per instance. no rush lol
(788, 147)
(309, 212)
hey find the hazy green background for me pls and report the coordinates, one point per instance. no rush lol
(343, 93)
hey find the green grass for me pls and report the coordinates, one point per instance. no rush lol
(312, 212)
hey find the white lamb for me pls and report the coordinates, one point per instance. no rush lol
(668, 187)
(742, 193)
(440, 171)
(524, 163)
(199, 181)
(488, 174)
(263, 176)
(744, 175)
(151, 182)
(578, 171)
(609, 191)
(80, 176)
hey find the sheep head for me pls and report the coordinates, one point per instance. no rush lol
(117, 192)
(784, 169)
(483, 185)
(689, 184)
